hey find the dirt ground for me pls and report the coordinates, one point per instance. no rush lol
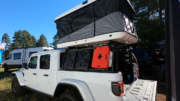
(162, 91)
(161, 97)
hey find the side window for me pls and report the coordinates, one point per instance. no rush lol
(76, 59)
(45, 62)
(17, 56)
(62, 57)
(33, 63)
(83, 60)
(69, 60)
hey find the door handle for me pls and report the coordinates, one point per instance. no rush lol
(46, 75)
(34, 74)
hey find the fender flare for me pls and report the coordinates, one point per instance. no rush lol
(20, 77)
(82, 88)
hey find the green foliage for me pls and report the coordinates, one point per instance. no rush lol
(55, 40)
(6, 39)
(42, 42)
(150, 20)
(23, 39)
(34, 41)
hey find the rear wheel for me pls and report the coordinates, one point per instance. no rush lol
(69, 95)
(17, 90)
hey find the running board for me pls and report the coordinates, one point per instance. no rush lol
(141, 90)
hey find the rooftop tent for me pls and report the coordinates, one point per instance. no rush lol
(94, 18)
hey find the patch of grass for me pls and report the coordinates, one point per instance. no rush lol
(1, 69)
(5, 84)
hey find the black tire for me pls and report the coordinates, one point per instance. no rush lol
(17, 90)
(5, 69)
(69, 95)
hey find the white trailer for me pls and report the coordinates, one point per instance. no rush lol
(18, 57)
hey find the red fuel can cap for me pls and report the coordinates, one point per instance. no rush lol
(101, 57)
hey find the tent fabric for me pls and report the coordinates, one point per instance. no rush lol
(100, 17)
(108, 24)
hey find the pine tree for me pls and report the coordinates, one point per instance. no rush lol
(150, 20)
(42, 42)
(23, 39)
(55, 40)
(33, 41)
(6, 39)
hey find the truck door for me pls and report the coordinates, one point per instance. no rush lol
(44, 74)
(30, 74)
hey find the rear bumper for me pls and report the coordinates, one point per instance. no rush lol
(141, 90)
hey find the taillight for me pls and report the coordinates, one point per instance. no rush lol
(118, 88)
(138, 73)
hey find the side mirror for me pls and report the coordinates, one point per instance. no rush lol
(25, 65)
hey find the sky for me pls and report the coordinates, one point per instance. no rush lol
(35, 16)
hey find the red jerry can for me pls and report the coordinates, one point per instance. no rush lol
(101, 57)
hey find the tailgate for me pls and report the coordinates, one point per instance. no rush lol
(141, 90)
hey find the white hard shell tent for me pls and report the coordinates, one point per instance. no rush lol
(94, 19)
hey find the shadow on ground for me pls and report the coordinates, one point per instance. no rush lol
(8, 74)
(162, 87)
(6, 95)
(4, 75)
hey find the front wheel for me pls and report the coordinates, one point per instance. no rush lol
(17, 90)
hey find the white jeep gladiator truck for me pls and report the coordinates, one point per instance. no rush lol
(50, 73)
(97, 64)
